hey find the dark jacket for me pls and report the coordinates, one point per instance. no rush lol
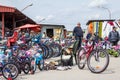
(77, 32)
(113, 36)
(89, 35)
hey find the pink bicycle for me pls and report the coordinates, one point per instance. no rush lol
(97, 58)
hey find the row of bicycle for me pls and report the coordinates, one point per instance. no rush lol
(26, 56)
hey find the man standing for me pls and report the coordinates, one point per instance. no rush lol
(78, 35)
(114, 36)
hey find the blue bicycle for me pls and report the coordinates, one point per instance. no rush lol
(37, 60)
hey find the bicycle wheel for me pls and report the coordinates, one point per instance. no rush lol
(33, 66)
(41, 65)
(50, 52)
(56, 49)
(98, 61)
(81, 58)
(11, 70)
(46, 50)
(26, 68)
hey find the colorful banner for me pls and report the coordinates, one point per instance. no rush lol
(97, 27)
(91, 28)
(100, 29)
(94, 26)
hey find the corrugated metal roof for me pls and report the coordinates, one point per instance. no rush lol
(102, 20)
(6, 9)
(57, 25)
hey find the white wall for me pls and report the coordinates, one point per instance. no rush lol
(51, 27)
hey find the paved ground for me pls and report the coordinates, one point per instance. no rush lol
(112, 73)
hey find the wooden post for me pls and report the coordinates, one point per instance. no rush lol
(14, 24)
(3, 24)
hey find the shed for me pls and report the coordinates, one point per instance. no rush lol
(11, 17)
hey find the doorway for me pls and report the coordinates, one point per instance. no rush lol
(49, 33)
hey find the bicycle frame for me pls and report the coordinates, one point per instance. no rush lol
(88, 49)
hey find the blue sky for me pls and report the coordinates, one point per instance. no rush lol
(66, 12)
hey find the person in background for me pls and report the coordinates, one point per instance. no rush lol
(27, 33)
(44, 35)
(22, 38)
(89, 35)
(114, 36)
(77, 35)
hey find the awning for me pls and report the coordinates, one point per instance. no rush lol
(33, 27)
(19, 16)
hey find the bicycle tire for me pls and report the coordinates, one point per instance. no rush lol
(81, 56)
(11, 66)
(26, 69)
(50, 52)
(97, 56)
(45, 51)
(33, 66)
(56, 49)
(41, 65)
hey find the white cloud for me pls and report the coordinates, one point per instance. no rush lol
(39, 19)
(95, 3)
(50, 17)
(95, 16)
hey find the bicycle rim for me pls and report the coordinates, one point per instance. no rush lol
(81, 58)
(33, 65)
(10, 70)
(56, 50)
(26, 68)
(98, 61)
(41, 65)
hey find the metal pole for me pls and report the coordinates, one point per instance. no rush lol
(26, 7)
(42, 19)
(3, 25)
(107, 10)
(23, 10)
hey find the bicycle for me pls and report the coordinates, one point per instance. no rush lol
(7, 68)
(37, 59)
(112, 50)
(92, 53)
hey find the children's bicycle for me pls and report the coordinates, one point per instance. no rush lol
(8, 69)
(37, 60)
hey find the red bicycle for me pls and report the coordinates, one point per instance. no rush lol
(94, 55)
